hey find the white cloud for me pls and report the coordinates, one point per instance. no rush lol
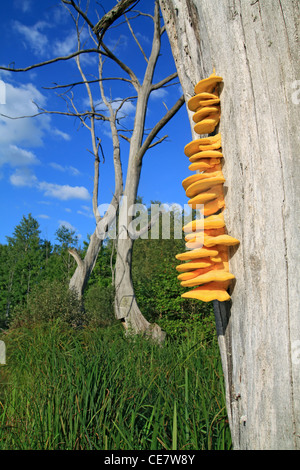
(66, 46)
(25, 131)
(127, 108)
(73, 170)
(159, 94)
(64, 192)
(69, 44)
(143, 38)
(69, 169)
(16, 156)
(33, 36)
(43, 216)
(86, 211)
(61, 134)
(57, 166)
(23, 177)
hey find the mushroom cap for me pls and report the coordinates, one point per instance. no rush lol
(204, 164)
(211, 276)
(199, 176)
(207, 84)
(207, 125)
(199, 234)
(220, 240)
(209, 195)
(205, 143)
(203, 184)
(208, 241)
(198, 253)
(194, 264)
(213, 154)
(202, 198)
(205, 111)
(202, 99)
(213, 206)
(213, 221)
(208, 292)
(195, 272)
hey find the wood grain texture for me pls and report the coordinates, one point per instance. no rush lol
(254, 46)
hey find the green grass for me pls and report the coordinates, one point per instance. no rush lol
(97, 389)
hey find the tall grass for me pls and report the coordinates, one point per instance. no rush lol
(100, 390)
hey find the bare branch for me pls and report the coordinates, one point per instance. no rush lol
(110, 17)
(78, 9)
(125, 137)
(51, 61)
(156, 86)
(71, 85)
(100, 117)
(159, 141)
(136, 39)
(159, 126)
(133, 77)
(77, 257)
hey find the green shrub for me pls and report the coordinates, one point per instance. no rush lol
(98, 303)
(49, 301)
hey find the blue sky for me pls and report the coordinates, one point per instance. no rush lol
(45, 165)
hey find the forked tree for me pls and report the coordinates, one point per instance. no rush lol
(139, 138)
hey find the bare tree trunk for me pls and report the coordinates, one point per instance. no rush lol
(254, 46)
(85, 266)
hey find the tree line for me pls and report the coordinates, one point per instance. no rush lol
(35, 276)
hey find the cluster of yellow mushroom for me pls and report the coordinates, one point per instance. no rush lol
(206, 260)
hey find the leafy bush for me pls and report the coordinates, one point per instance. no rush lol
(47, 302)
(98, 304)
(200, 325)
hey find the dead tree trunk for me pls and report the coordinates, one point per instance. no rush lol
(254, 46)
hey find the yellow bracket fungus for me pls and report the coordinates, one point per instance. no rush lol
(205, 263)
(208, 292)
(206, 154)
(194, 264)
(204, 164)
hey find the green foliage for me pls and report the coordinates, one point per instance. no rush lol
(157, 288)
(23, 259)
(48, 301)
(66, 237)
(27, 260)
(98, 303)
(5, 280)
(100, 390)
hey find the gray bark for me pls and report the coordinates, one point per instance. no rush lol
(254, 46)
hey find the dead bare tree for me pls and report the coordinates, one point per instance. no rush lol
(126, 308)
(140, 140)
